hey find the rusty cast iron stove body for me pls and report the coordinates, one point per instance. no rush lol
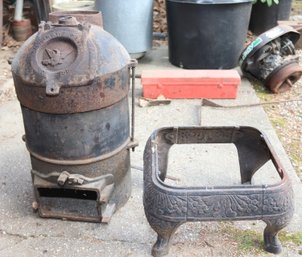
(72, 80)
(167, 207)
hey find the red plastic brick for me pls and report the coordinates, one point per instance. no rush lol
(173, 84)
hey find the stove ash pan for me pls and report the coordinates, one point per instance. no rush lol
(72, 80)
(167, 207)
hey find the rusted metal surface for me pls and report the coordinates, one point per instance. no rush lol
(167, 207)
(101, 188)
(92, 17)
(297, 26)
(73, 62)
(271, 59)
(101, 92)
(128, 144)
(132, 67)
(283, 78)
(72, 79)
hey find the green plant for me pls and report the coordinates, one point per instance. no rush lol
(268, 2)
(295, 238)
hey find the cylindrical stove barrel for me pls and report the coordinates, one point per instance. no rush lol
(79, 136)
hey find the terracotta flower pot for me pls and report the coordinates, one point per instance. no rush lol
(22, 29)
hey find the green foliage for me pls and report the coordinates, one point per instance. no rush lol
(268, 2)
(249, 241)
(295, 238)
(279, 122)
(252, 241)
(262, 92)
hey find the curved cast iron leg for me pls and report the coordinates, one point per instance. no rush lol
(165, 230)
(271, 241)
(162, 244)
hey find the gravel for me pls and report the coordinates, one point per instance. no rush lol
(287, 119)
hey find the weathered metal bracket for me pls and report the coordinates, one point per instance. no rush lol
(167, 207)
(132, 66)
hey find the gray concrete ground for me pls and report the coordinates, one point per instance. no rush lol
(23, 233)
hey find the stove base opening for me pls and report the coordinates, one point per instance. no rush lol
(69, 204)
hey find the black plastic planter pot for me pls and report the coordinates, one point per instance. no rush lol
(264, 18)
(207, 34)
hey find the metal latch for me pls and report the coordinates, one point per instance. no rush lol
(71, 179)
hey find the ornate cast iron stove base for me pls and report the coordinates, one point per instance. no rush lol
(167, 207)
